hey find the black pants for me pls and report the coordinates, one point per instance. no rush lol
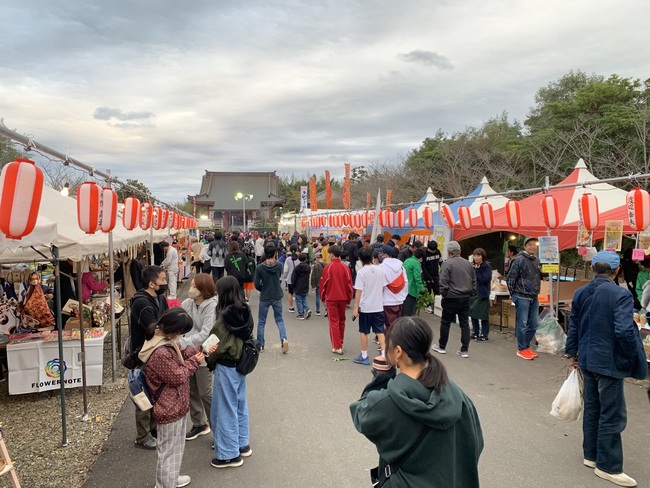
(408, 309)
(452, 307)
(217, 273)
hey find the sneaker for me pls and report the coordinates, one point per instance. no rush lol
(227, 463)
(533, 353)
(463, 354)
(300, 317)
(325, 313)
(317, 313)
(261, 348)
(429, 309)
(375, 340)
(620, 479)
(292, 310)
(438, 349)
(338, 351)
(525, 354)
(245, 451)
(361, 360)
(308, 314)
(588, 463)
(183, 480)
(481, 339)
(285, 346)
(473, 336)
(194, 432)
(149, 444)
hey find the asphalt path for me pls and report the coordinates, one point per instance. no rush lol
(302, 434)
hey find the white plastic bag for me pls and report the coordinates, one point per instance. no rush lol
(568, 402)
(550, 336)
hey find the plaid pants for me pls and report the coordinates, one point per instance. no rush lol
(170, 446)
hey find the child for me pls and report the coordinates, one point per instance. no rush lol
(168, 370)
(300, 281)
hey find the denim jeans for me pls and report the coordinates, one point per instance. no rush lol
(527, 314)
(301, 305)
(317, 291)
(605, 417)
(229, 412)
(277, 315)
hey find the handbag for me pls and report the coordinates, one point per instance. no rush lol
(378, 478)
(129, 357)
(249, 356)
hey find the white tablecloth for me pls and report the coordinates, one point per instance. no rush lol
(35, 366)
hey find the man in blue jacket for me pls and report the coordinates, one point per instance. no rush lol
(604, 342)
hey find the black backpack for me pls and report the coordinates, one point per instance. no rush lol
(249, 356)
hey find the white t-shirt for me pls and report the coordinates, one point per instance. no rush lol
(371, 281)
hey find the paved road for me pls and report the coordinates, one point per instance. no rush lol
(302, 434)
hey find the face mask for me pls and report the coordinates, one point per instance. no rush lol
(162, 289)
(33, 282)
(193, 292)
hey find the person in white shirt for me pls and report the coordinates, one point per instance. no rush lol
(396, 289)
(170, 265)
(369, 304)
(259, 249)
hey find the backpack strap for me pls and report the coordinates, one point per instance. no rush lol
(389, 469)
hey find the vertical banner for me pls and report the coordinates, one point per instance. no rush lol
(328, 190)
(389, 197)
(313, 201)
(346, 187)
(303, 198)
(613, 235)
(368, 201)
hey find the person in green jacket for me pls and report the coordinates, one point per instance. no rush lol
(426, 430)
(413, 268)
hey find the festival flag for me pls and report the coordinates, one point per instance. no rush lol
(313, 202)
(368, 201)
(303, 198)
(346, 187)
(389, 197)
(328, 190)
(376, 226)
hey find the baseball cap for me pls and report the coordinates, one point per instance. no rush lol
(453, 246)
(528, 239)
(390, 250)
(607, 257)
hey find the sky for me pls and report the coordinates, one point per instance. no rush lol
(161, 91)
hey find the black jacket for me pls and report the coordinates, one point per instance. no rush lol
(300, 279)
(145, 310)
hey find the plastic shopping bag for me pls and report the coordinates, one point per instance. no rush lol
(568, 402)
(550, 337)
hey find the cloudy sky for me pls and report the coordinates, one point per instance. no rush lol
(161, 90)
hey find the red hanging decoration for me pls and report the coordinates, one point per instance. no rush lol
(108, 210)
(400, 218)
(21, 189)
(427, 217)
(638, 209)
(89, 195)
(364, 219)
(513, 214)
(157, 221)
(487, 215)
(465, 217)
(448, 216)
(146, 216)
(551, 211)
(390, 219)
(345, 218)
(131, 213)
(588, 210)
(382, 218)
(413, 217)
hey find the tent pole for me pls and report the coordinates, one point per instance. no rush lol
(83, 342)
(112, 298)
(151, 259)
(59, 327)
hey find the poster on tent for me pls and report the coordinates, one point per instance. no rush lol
(584, 236)
(613, 235)
(442, 235)
(643, 241)
(549, 250)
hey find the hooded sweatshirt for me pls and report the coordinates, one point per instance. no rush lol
(233, 326)
(203, 318)
(268, 278)
(393, 411)
(300, 279)
(167, 371)
(217, 252)
(393, 268)
(145, 310)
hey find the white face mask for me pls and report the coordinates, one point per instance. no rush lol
(193, 293)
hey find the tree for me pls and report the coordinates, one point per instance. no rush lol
(8, 152)
(358, 174)
(123, 192)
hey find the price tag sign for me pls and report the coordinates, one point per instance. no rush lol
(550, 268)
(638, 254)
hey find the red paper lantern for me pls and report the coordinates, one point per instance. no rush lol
(303, 222)
(427, 217)
(89, 195)
(513, 214)
(382, 218)
(345, 219)
(447, 215)
(465, 217)
(312, 221)
(338, 220)
(551, 211)
(364, 219)
(400, 217)
(413, 217)
(146, 216)
(355, 220)
(164, 217)
(487, 215)
(638, 209)
(21, 189)
(108, 210)
(131, 213)
(157, 221)
(390, 219)
(588, 210)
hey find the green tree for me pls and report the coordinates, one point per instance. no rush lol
(123, 192)
(8, 152)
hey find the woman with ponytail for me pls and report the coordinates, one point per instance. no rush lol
(426, 430)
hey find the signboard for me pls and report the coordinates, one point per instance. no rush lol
(551, 268)
(36, 366)
(584, 236)
(303, 198)
(442, 235)
(613, 235)
(549, 249)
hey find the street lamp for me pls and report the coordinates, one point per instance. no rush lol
(243, 197)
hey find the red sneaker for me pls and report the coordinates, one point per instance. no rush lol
(533, 353)
(524, 354)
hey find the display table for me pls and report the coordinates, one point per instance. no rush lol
(34, 366)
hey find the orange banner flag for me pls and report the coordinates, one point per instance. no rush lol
(346, 187)
(389, 197)
(313, 201)
(368, 201)
(328, 190)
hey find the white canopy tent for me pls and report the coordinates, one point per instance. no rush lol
(45, 234)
